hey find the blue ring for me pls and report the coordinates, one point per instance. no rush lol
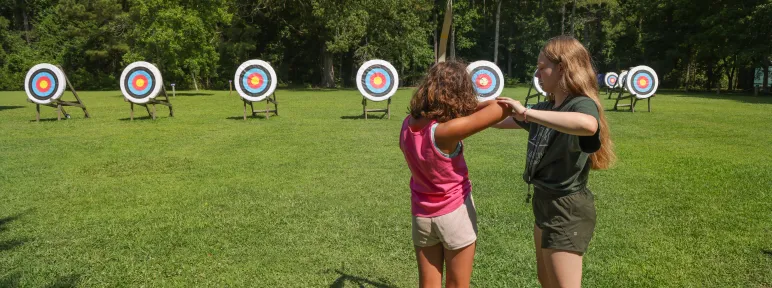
(50, 90)
(148, 87)
(386, 84)
(492, 85)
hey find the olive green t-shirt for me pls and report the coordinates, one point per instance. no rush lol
(559, 163)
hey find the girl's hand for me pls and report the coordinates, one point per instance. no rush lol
(515, 105)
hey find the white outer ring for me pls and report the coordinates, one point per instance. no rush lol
(59, 79)
(364, 67)
(608, 75)
(536, 83)
(496, 70)
(156, 84)
(621, 80)
(246, 64)
(653, 89)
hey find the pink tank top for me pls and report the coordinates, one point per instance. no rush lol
(439, 183)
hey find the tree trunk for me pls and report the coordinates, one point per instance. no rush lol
(26, 22)
(194, 80)
(452, 43)
(688, 74)
(765, 82)
(573, 19)
(496, 41)
(563, 19)
(328, 73)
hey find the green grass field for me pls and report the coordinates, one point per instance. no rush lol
(318, 197)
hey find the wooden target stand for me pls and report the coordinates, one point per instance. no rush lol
(59, 104)
(152, 102)
(386, 110)
(268, 100)
(536, 94)
(633, 100)
(611, 91)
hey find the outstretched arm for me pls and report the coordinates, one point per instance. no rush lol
(574, 123)
(448, 134)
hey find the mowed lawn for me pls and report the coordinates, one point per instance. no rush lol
(318, 197)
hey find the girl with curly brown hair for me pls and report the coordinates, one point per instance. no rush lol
(443, 112)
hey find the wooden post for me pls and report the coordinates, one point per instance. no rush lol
(174, 91)
(58, 111)
(37, 117)
(245, 108)
(230, 88)
(132, 110)
(364, 107)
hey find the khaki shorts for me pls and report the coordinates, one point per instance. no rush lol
(454, 230)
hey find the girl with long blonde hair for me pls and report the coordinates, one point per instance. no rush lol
(568, 136)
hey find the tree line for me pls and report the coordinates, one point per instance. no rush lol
(692, 44)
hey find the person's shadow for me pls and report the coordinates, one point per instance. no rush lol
(357, 281)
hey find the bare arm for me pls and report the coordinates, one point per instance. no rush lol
(508, 123)
(448, 134)
(573, 123)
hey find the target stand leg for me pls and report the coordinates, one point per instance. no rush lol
(388, 109)
(37, 114)
(153, 114)
(132, 111)
(364, 107)
(245, 109)
(58, 111)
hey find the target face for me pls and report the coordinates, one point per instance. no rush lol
(642, 81)
(487, 79)
(44, 83)
(255, 80)
(537, 83)
(611, 79)
(140, 82)
(377, 80)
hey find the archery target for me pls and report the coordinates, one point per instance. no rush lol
(487, 79)
(611, 79)
(44, 83)
(642, 81)
(621, 80)
(377, 80)
(255, 80)
(537, 84)
(140, 82)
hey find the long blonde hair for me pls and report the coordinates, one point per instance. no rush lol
(579, 79)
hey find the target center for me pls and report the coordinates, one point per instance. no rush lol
(140, 82)
(642, 82)
(255, 80)
(378, 80)
(44, 84)
(484, 82)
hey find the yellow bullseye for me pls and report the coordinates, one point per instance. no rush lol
(44, 84)
(642, 82)
(483, 82)
(255, 81)
(140, 83)
(378, 81)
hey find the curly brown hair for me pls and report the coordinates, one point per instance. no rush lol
(446, 93)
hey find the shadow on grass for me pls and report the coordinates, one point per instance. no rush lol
(65, 281)
(189, 94)
(361, 116)
(736, 96)
(10, 107)
(10, 244)
(258, 116)
(767, 252)
(344, 279)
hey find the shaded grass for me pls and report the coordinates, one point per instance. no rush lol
(319, 197)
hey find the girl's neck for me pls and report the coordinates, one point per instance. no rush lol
(559, 97)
